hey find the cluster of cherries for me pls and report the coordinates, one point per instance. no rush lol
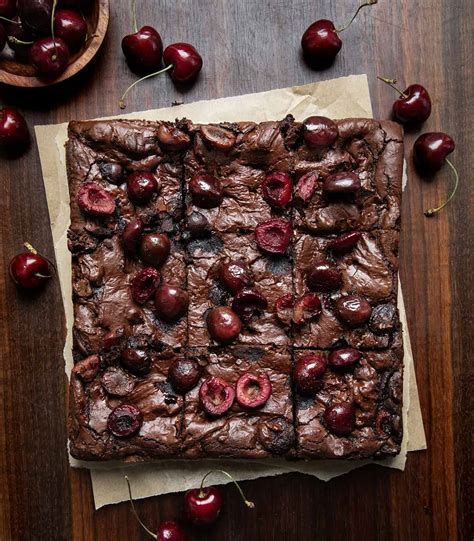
(202, 507)
(144, 53)
(45, 33)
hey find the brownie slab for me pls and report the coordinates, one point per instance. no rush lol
(374, 387)
(262, 432)
(371, 149)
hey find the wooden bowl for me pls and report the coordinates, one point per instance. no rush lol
(15, 73)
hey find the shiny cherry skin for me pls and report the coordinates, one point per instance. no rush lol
(235, 275)
(198, 225)
(319, 132)
(344, 357)
(353, 310)
(29, 271)
(14, 133)
(141, 187)
(340, 418)
(171, 302)
(223, 324)
(131, 236)
(414, 106)
(36, 15)
(345, 242)
(431, 150)
(206, 191)
(169, 530)
(320, 43)
(155, 249)
(50, 56)
(71, 27)
(184, 374)
(343, 183)
(324, 276)
(307, 373)
(7, 8)
(186, 62)
(136, 361)
(143, 50)
(202, 506)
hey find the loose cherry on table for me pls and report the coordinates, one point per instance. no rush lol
(430, 153)
(182, 62)
(169, 530)
(14, 132)
(321, 42)
(414, 104)
(30, 270)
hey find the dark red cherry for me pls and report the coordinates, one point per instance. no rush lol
(319, 132)
(353, 310)
(277, 189)
(198, 225)
(218, 137)
(113, 338)
(171, 138)
(155, 249)
(320, 43)
(125, 421)
(135, 360)
(235, 275)
(71, 27)
(216, 396)
(274, 235)
(141, 187)
(171, 302)
(341, 183)
(29, 270)
(111, 172)
(306, 187)
(307, 373)
(186, 62)
(223, 324)
(248, 303)
(132, 235)
(206, 191)
(7, 8)
(35, 15)
(324, 276)
(184, 374)
(340, 418)
(414, 104)
(430, 151)
(202, 506)
(169, 530)
(93, 200)
(284, 309)
(145, 284)
(50, 56)
(14, 133)
(253, 390)
(343, 357)
(143, 50)
(345, 242)
(19, 39)
(306, 308)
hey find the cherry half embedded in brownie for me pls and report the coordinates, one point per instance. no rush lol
(356, 410)
(241, 431)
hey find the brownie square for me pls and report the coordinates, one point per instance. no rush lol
(374, 387)
(273, 279)
(370, 270)
(371, 149)
(93, 394)
(259, 433)
(240, 156)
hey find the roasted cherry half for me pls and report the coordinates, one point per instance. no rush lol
(93, 200)
(345, 242)
(253, 390)
(273, 236)
(125, 421)
(144, 285)
(305, 187)
(277, 189)
(171, 302)
(248, 303)
(340, 418)
(307, 373)
(216, 396)
(306, 308)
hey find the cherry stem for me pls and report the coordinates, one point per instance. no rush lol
(431, 212)
(122, 104)
(11, 21)
(392, 83)
(368, 3)
(248, 503)
(53, 13)
(16, 41)
(34, 251)
(135, 511)
(134, 15)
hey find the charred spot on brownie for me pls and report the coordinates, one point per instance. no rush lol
(276, 435)
(212, 245)
(279, 265)
(383, 319)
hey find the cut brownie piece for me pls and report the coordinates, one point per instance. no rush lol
(97, 388)
(373, 151)
(356, 413)
(271, 277)
(369, 270)
(241, 432)
(239, 157)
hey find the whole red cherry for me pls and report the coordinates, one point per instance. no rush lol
(143, 50)
(29, 270)
(71, 27)
(203, 506)
(223, 324)
(169, 530)
(431, 150)
(414, 104)
(14, 133)
(186, 62)
(50, 56)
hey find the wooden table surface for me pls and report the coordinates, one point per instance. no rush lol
(250, 46)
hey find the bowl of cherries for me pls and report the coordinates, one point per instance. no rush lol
(43, 42)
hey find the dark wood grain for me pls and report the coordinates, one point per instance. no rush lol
(249, 46)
